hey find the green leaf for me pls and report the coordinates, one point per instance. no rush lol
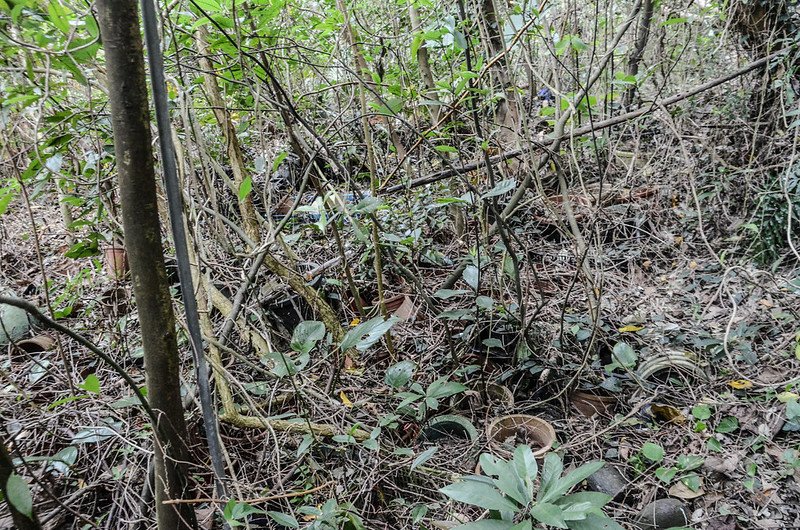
(594, 498)
(446, 149)
(58, 16)
(484, 302)
(549, 514)
(727, 425)
(449, 293)
(367, 333)
(595, 521)
(424, 457)
(487, 524)
(701, 412)
(653, 452)
(306, 335)
(6, 196)
(574, 477)
(691, 481)
(689, 462)
(399, 374)
(525, 463)
(479, 494)
(245, 188)
(666, 474)
(551, 472)
(442, 388)
(19, 495)
(673, 21)
(91, 384)
(284, 519)
(624, 356)
(470, 276)
(714, 445)
(501, 188)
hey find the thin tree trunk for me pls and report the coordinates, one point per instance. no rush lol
(424, 63)
(642, 35)
(132, 143)
(234, 150)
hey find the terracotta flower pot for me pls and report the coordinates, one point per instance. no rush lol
(590, 403)
(36, 344)
(507, 432)
(116, 261)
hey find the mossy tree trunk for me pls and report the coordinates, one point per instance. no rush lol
(119, 26)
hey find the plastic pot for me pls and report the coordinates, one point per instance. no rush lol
(450, 427)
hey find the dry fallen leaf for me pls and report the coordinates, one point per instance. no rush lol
(630, 328)
(345, 400)
(667, 413)
(740, 384)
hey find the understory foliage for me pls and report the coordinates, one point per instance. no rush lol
(407, 219)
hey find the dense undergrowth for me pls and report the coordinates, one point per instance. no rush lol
(653, 261)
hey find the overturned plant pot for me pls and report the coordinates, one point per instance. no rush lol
(286, 309)
(37, 344)
(450, 427)
(507, 432)
(592, 402)
(497, 340)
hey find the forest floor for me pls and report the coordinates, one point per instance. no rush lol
(696, 347)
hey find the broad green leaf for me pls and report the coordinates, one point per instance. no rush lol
(442, 388)
(284, 519)
(525, 463)
(484, 302)
(306, 335)
(367, 333)
(91, 384)
(673, 21)
(727, 425)
(479, 494)
(595, 498)
(551, 472)
(574, 477)
(19, 495)
(595, 522)
(689, 462)
(470, 276)
(501, 188)
(701, 412)
(245, 188)
(653, 452)
(424, 457)
(666, 474)
(623, 356)
(399, 374)
(549, 514)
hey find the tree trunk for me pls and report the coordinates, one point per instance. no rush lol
(233, 148)
(642, 35)
(132, 143)
(423, 61)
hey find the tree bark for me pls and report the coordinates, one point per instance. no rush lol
(122, 42)
(642, 35)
